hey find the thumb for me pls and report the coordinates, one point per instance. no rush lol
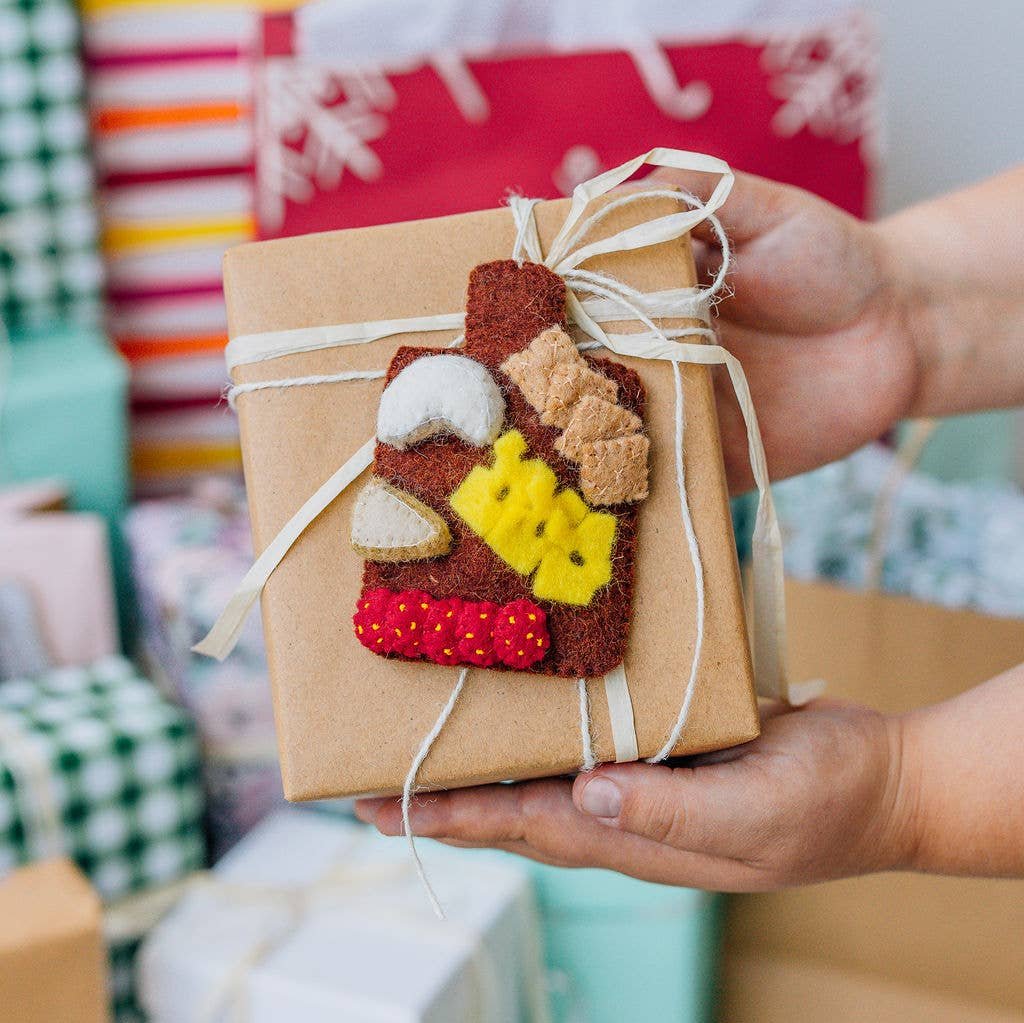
(714, 810)
(755, 207)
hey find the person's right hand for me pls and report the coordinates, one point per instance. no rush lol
(816, 319)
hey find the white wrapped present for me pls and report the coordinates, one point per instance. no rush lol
(316, 919)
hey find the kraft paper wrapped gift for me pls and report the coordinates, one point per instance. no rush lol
(95, 764)
(350, 722)
(316, 919)
(52, 967)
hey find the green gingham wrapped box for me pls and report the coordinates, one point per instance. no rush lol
(97, 765)
(50, 266)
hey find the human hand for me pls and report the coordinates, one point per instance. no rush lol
(819, 795)
(818, 318)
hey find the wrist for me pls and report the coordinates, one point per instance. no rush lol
(914, 296)
(902, 826)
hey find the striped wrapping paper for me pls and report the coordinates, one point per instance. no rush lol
(170, 88)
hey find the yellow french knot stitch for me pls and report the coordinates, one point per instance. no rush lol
(516, 507)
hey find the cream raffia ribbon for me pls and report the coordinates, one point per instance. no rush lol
(607, 300)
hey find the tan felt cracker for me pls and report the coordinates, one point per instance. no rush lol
(567, 385)
(593, 419)
(530, 369)
(389, 524)
(598, 434)
(615, 471)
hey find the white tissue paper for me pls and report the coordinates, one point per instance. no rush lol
(268, 940)
(395, 31)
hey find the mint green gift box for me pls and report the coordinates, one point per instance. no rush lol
(620, 950)
(63, 415)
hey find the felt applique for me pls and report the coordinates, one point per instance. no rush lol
(443, 394)
(550, 547)
(600, 435)
(614, 471)
(516, 507)
(595, 419)
(452, 631)
(391, 525)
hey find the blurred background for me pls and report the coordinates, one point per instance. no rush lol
(140, 139)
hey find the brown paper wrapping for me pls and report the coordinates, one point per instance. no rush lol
(52, 960)
(349, 722)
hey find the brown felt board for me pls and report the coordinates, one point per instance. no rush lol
(349, 723)
(508, 306)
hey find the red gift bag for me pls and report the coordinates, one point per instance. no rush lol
(357, 128)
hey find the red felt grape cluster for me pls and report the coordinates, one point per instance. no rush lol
(411, 623)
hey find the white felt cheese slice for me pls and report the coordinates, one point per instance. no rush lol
(441, 394)
(389, 524)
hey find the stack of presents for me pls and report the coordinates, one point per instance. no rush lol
(151, 867)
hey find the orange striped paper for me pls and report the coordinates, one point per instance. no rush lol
(129, 118)
(137, 349)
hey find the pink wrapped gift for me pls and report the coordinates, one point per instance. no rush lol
(60, 564)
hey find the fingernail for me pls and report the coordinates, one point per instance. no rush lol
(601, 798)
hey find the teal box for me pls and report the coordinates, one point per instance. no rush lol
(620, 950)
(63, 414)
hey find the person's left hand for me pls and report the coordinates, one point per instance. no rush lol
(819, 795)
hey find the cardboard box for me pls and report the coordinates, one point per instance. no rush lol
(888, 946)
(894, 653)
(52, 960)
(349, 722)
(766, 989)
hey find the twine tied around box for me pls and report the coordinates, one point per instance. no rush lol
(607, 301)
(133, 917)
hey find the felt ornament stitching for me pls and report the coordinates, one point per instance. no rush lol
(515, 505)
(598, 434)
(614, 471)
(441, 394)
(510, 305)
(451, 631)
(390, 525)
